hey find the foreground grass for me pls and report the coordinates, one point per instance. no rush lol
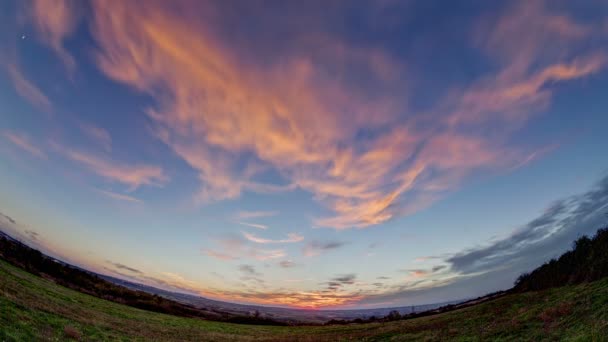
(33, 308)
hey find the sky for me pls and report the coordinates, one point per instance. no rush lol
(306, 154)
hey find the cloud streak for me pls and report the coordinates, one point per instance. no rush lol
(98, 135)
(133, 176)
(291, 238)
(29, 90)
(315, 247)
(254, 225)
(23, 142)
(235, 248)
(117, 196)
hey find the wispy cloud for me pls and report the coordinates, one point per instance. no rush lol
(121, 197)
(98, 135)
(546, 235)
(55, 20)
(29, 90)
(234, 248)
(219, 109)
(265, 254)
(133, 176)
(120, 266)
(8, 218)
(315, 247)
(219, 255)
(307, 138)
(22, 141)
(291, 238)
(254, 225)
(249, 270)
(287, 264)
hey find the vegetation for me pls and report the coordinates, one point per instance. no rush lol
(587, 261)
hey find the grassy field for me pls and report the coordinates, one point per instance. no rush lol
(33, 308)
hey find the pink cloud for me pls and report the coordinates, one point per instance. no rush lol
(55, 20)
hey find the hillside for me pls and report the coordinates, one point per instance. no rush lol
(33, 308)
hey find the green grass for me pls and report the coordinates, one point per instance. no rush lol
(33, 308)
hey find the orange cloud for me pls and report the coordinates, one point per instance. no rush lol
(296, 299)
(22, 141)
(216, 109)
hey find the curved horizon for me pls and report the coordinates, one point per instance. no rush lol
(313, 155)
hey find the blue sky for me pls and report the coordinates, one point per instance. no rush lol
(306, 154)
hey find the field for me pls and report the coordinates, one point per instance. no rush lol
(33, 308)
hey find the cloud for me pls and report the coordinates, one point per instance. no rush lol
(497, 264)
(315, 247)
(219, 255)
(28, 90)
(337, 283)
(32, 235)
(133, 176)
(22, 141)
(249, 270)
(438, 268)
(291, 238)
(533, 47)
(544, 236)
(218, 111)
(118, 196)
(8, 218)
(55, 20)
(120, 266)
(234, 248)
(254, 225)
(265, 254)
(243, 215)
(98, 135)
(287, 264)
(347, 279)
(299, 299)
